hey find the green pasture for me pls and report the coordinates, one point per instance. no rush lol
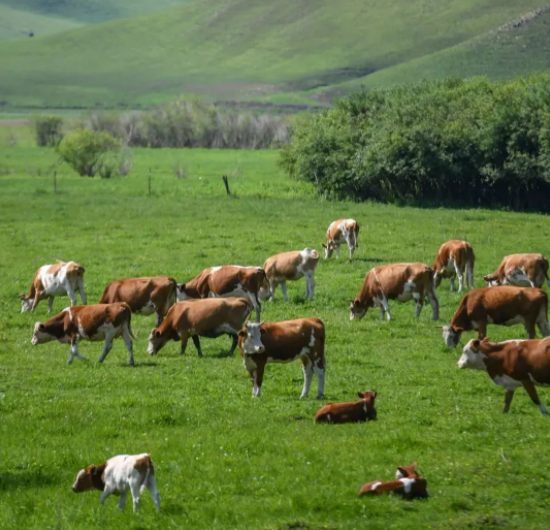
(224, 460)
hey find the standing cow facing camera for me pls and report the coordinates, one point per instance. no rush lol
(455, 259)
(339, 232)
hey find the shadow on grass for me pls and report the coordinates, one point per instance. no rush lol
(26, 478)
(146, 364)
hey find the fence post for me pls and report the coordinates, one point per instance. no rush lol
(55, 182)
(226, 182)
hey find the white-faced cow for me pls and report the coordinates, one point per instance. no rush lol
(210, 318)
(511, 364)
(341, 231)
(504, 306)
(61, 279)
(290, 266)
(350, 412)
(455, 258)
(399, 281)
(145, 296)
(282, 342)
(226, 281)
(408, 484)
(103, 322)
(523, 270)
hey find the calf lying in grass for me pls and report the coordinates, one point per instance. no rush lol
(408, 483)
(352, 412)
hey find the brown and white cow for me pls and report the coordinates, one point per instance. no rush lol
(455, 258)
(61, 279)
(290, 266)
(282, 342)
(504, 306)
(399, 281)
(408, 484)
(523, 270)
(145, 296)
(341, 231)
(351, 412)
(511, 364)
(87, 322)
(210, 318)
(225, 281)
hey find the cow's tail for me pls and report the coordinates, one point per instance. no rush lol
(545, 270)
(172, 297)
(104, 296)
(150, 470)
(356, 234)
(128, 322)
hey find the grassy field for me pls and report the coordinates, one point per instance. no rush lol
(223, 459)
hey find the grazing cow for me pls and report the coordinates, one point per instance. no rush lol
(504, 306)
(401, 282)
(211, 318)
(408, 483)
(290, 266)
(88, 322)
(455, 258)
(352, 412)
(511, 364)
(61, 279)
(523, 270)
(119, 475)
(225, 281)
(145, 296)
(282, 342)
(341, 231)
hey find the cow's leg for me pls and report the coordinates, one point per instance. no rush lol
(307, 367)
(257, 306)
(508, 399)
(106, 348)
(338, 250)
(74, 351)
(351, 250)
(386, 307)
(152, 485)
(419, 299)
(470, 275)
(310, 280)
(382, 313)
(104, 495)
(257, 379)
(81, 289)
(70, 292)
(36, 298)
(320, 373)
(460, 277)
(434, 302)
(128, 341)
(50, 304)
(272, 288)
(136, 498)
(530, 329)
(542, 322)
(196, 342)
(122, 500)
(285, 290)
(532, 391)
(234, 344)
(452, 281)
(481, 329)
(159, 318)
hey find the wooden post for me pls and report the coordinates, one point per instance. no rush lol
(55, 182)
(149, 179)
(226, 182)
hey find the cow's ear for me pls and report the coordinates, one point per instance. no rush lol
(475, 344)
(181, 286)
(486, 339)
(156, 333)
(41, 327)
(22, 296)
(360, 394)
(242, 333)
(356, 303)
(402, 471)
(324, 246)
(262, 331)
(413, 466)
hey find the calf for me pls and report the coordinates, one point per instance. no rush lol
(341, 231)
(282, 342)
(455, 258)
(144, 295)
(61, 279)
(119, 475)
(408, 484)
(290, 266)
(504, 306)
(208, 318)
(511, 364)
(523, 270)
(401, 282)
(88, 322)
(228, 280)
(352, 412)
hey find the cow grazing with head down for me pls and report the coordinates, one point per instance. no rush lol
(399, 281)
(226, 281)
(290, 266)
(503, 306)
(282, 342)
(339, 232)
(408, 484)
(211, 318)
(511, 364)
(352, 412)
(522, 270)
(455, 258)
(145, 296)
(61, 279)
(87, 322)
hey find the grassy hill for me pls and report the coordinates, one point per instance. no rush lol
(283, 50)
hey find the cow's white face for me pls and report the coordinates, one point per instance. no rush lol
(357, 310)
(329, 249)
(40, 335)
(472, 357)
(253, 338)
(451, 336)
(264, 293)
(181, 295)
(156, 342)
(26, 304)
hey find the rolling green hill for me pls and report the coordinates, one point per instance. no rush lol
(281, 50)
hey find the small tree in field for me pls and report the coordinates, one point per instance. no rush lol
(84, 150)
(48, 130)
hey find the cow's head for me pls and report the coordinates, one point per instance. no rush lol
(250, 338)
(181, 294)
(437, 277)
(26, 303)
(40, 335)
(157, 340)
(491, 280)
(451, 335)
(472, 356)
(407, 471)
(89, 478)
(358, 309)
(330, 247)
(369, 397)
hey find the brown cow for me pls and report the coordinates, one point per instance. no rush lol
(352, 412)
(61, 279)
(290, 266)
(145, 296)
(282, 342)
(504, 306)
(211, 318)
(88, 322)
(225, 281)
(523, 270)
(408, 483)
(455, 258)
(511, 364)
(341, 231)
(399, 281)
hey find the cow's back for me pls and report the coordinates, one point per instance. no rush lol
(293, 335)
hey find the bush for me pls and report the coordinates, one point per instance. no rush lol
(48, 130)
(86, 151)
(467, 143)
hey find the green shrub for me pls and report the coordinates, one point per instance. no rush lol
(48, 130)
